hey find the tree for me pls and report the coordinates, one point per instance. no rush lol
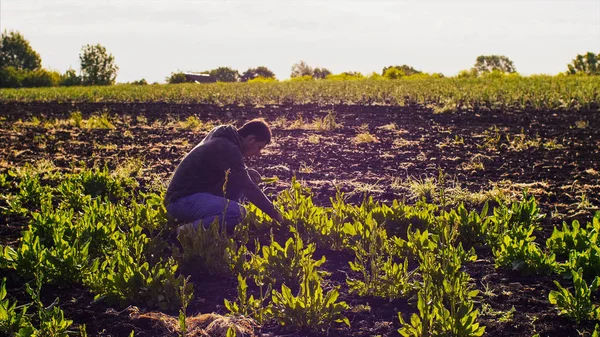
(225, 74)
(252, 73)
(393, 73)
(97, 66)
(489, 63)
(70, 78)
(301, 69)
(405, 69)
(586, 64)
(16, 52)
(320, 73)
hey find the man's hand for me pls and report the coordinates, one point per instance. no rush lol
(255, 176)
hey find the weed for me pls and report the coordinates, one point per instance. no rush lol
(364, 136)
(582, 124)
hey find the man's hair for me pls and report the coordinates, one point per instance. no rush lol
(257, 128)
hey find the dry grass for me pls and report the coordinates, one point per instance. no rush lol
(582, 124)
(401, 142)
(212, 325)
(429, 188)
(364, 136)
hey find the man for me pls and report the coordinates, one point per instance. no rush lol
(212, 178)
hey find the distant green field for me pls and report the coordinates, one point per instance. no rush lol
(563, 93)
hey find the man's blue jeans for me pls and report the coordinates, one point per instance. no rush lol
(204, 208)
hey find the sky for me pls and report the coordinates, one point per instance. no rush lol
(151, 39)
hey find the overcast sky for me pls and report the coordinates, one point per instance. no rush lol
(151, 39)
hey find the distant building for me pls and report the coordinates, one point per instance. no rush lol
(200, 78)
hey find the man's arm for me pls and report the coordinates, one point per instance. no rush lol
(239, 176)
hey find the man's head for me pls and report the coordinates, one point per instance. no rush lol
(256, 134)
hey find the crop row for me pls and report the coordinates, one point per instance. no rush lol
(96, 229)
(566, 93)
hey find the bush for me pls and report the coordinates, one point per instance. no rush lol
(261, 79)
(345, 77)
(302, 78)
(11, 77)
(140, 82)
(176, 78)
(394, 73)
(41, 78)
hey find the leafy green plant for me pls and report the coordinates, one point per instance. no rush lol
(12, 321)
(50, 247)
(207, 249)
(382, 274)
(519, 252)
(311, 308)
(524, 214)
(126, 276)
(52, 320)
(473, 226)
(577, 305)
(454, 316)
(574, 237)
(249, 306)
(285, 264)
(588, 260)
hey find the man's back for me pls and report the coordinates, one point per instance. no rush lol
(203, 169)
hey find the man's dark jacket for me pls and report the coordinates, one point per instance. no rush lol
(203, 170)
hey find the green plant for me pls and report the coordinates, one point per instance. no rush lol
(588, 259)
(456, 317)
(524, 215)
(382, 274)
(186, 294)
(519, 252)
(577, 305)
(76, 118)
(192, 123)
(49, 245)
(574, 237)
(207, 249)
(102, 121)
(311, 308)
(285, 264)
(11, 319)
(125, 275)
(52, 320)
(473, 226)
(249, 306)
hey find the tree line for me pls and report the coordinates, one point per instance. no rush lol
(21, 66)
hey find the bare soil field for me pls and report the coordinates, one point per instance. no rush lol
(381, 151)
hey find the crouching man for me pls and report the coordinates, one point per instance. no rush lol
(196, 196)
